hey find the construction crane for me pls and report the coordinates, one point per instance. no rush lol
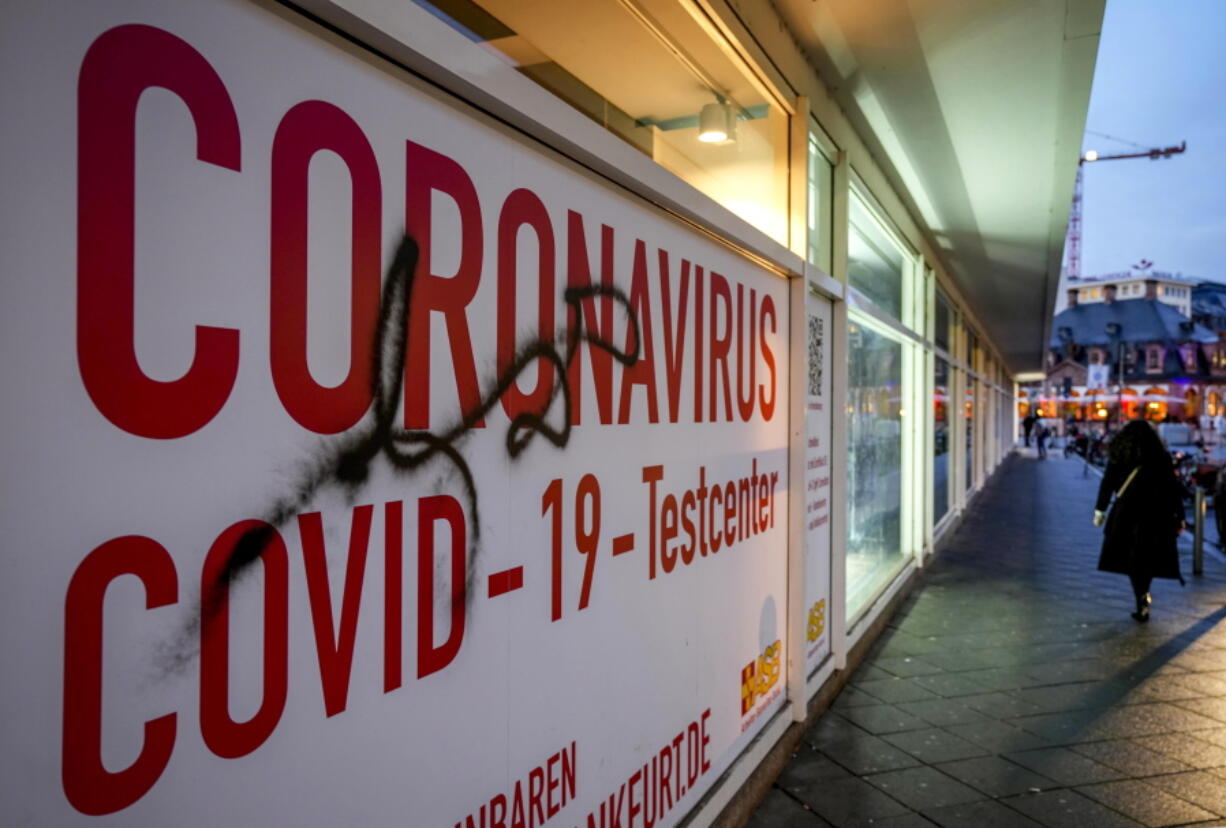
(1072, 242)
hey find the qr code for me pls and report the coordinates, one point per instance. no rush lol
(817, 330)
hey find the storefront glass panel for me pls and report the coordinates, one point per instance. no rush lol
(875, 460)
(820, 207)
(940, 440)
(876, 265)
(969, 414)
(942, 323)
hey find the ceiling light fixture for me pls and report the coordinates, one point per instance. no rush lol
(716, 123)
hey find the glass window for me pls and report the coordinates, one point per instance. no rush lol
(820, 206)
(875, 459)
(970, 432)
(875, 262)
(940, 440)
(650, 73)
(943, 318)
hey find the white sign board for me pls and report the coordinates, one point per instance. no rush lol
(365, 462)
(819, 314)
(1096, 376)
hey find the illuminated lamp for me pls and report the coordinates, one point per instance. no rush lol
(716, 124)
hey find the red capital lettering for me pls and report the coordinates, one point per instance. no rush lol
(746, 390)
(643, 372)
(720, 345)
(579, 274)
(308, 128)
(335, 646)
(427, 171)
(523, 209)
(767, 403)
(431, 659)
(674, 343)
(224, 736)
(120, 65)
(89, 786)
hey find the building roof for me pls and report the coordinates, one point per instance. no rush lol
(1140, 320)
(1209, 303)
(1138, 275)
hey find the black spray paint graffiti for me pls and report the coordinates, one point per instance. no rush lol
(346, 462)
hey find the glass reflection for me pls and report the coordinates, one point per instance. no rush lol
(874, 262)
(970, 432)
(940, 440)
(875, 436)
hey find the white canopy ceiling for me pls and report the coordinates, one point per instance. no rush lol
(977, 108)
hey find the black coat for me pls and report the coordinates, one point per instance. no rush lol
(1139, 536)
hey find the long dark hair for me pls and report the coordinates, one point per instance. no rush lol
(1138, 444)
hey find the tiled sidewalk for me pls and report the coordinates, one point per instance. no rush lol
(1013, 688)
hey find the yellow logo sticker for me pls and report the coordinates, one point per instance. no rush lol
(759, 676)
(817, 620)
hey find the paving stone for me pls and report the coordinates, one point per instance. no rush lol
(892, 690)
(778, 810)
(854, 803)
(832, 729)
(935, 745)
(1214, 708)
(1202, 788)
(999, 737)
(1058, 728)
(1068, 809)
(941, 712)
(1069, 671)
(1145, 803)
(853, 697)
(950, 685)
(810, 767)
(869, 754)
(979, 815)
(1167, 688)
(1158, 717)
(883, 718)
(904, 821)
(924, 787)
(1064, 697)
(1130, 757)
(996, 777)
(906, 666)
(867, 672)
(1188, 749)
(999, 705)
(1001, 678)
(1065, 766)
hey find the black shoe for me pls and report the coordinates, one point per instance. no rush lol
(1142, 613)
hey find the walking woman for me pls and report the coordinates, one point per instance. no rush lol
(1147, 517)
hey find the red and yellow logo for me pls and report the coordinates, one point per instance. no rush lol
(759, 676)
(817, 621)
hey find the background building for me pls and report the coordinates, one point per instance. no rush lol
(1131, 346)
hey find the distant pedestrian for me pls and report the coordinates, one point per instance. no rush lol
(1147, 515)
(1028, 426)
(1041, 435)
